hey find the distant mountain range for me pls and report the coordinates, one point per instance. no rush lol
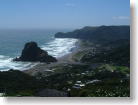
(100, 34)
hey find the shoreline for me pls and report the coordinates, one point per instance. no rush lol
(65, 59)
(23, 66)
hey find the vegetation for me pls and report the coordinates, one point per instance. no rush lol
(99, 69)
(17, 83)
(100, 34)
(117, 56)
(114, 80)
(111, 81)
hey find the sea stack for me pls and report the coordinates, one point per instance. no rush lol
(33, 53)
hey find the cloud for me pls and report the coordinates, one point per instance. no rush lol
(121, 17)
(70, 5)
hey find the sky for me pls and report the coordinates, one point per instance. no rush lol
(60, 14)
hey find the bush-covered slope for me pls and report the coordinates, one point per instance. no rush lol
(15, 82)
(102, 33)
(117, 56)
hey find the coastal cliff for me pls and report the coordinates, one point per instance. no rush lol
(98, 34)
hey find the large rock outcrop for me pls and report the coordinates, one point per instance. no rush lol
(33, 53)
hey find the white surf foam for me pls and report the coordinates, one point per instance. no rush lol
(6, 63)
(60, 46)
(57, 48)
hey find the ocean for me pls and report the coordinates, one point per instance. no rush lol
(12, 42)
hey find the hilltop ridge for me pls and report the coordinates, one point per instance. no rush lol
(98, 34)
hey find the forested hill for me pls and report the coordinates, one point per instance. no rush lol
(101, 33)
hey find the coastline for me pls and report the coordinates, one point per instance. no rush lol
(81, 68)
(65, 59)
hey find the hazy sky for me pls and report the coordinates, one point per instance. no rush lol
(63, 13)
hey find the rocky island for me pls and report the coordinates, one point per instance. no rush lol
(33, 53)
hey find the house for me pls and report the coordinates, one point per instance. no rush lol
(78, 85)
(93, 81)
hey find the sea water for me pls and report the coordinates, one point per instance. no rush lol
(12, 42)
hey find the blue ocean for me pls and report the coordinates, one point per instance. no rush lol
(12, 42)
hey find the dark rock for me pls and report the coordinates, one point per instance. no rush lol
(33, 53)
(51, 93)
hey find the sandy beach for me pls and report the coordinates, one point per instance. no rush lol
(66, 59)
